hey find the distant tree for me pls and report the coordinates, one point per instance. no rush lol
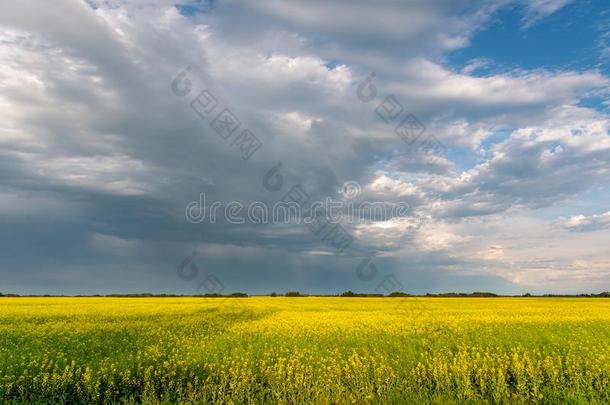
(462, 294)
(483, 294)
(348, 294)
(293, 294)
(239, 295)
(527, 295)
(399, 294)
(273, 294)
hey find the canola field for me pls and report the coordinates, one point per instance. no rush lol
(304, 350)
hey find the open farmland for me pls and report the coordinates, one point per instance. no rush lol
(305, 350)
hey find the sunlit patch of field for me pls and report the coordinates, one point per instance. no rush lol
(305, 350)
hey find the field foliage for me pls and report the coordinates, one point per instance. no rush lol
(305, 350)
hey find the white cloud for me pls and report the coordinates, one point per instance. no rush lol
(113, 174)
(532, 167)
(539, 9)
(583, 223)
(437, 236)
(474, 65)
(382, 23)
(433, 82)
(384, 186)
(493, 252)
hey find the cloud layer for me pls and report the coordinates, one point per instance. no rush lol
(100, 157)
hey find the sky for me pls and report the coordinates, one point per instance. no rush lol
(489, 120)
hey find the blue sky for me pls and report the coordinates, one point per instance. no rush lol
(102, 153)
(567, 39)
(570, 38)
